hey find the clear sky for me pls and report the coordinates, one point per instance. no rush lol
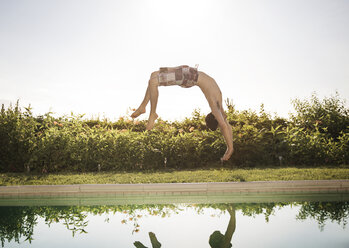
(95, 57)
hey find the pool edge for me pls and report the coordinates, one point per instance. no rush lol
(339, 186)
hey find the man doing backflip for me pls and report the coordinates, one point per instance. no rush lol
(186, 77)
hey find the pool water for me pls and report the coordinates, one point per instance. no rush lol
(215, 223)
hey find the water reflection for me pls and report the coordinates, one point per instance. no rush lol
(17, 223)
(216, 240)
(154, 242)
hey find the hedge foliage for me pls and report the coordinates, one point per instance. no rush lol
(316, 135)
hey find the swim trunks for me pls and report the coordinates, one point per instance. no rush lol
(183, 76)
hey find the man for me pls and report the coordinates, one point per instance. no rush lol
(186, 77)
(217, 239)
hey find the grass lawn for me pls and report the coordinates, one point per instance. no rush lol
(183, 176)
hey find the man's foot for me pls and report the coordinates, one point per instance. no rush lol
(139, 245)
(151, 121)
(154, 242)
(138, 112)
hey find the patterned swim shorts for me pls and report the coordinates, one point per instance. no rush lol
(183, 76)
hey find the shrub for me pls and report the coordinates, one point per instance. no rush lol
(316, 135)
(17, 138)
(329, 115)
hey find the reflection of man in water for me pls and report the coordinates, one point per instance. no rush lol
(217, 239)
(154, 242)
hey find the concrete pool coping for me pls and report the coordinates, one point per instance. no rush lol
(320, 186)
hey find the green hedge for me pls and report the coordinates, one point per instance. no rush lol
(316, 135)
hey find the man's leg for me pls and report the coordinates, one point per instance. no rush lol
(141, 108)
(154, 94)
(154, 242)
(151, 95)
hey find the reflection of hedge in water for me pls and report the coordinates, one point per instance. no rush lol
(250, 209)
(316, 135)
(19, 222)
(323, 211)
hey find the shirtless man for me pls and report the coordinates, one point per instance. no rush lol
(186, 77)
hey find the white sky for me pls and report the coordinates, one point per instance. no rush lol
(95, 57)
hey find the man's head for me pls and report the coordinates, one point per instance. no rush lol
(211, 122)
(217, 240)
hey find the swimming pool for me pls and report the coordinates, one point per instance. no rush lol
(210, 220)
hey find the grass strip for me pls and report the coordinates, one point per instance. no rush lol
(183, 176)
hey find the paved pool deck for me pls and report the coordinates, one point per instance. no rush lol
(315, 186)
